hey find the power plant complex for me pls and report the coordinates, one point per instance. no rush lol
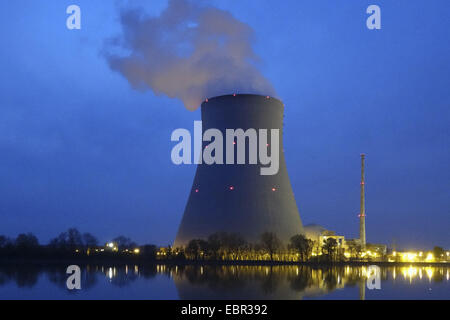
(236, 198)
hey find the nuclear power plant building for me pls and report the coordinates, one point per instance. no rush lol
(236, 198)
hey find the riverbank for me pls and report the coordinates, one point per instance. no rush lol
(143, 261)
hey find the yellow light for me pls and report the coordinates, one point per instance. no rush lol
(405, 273)
(136, 251)
(429, 257)
(409, 257)
(395, 254)
(111, 245)
(412, 272)
(429, 273)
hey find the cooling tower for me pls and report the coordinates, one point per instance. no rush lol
(237, 198)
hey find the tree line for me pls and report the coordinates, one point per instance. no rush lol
(231, 246)
(220, 246)
(70, 243)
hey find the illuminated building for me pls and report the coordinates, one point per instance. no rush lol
(111, 246)
(319, 234)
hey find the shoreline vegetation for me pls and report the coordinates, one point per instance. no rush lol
(139, 261)
(73, 247)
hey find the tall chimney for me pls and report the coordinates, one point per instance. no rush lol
(362, 214)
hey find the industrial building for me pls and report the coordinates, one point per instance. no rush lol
(350, 247)
(237, 198)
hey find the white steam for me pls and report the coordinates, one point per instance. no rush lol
(189, 52)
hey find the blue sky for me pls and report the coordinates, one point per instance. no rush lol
(79, 147)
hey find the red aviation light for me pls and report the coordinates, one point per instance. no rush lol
(196, 190)
(206, 100)
(234, 94)
(231, 188)
(362, 183)
(267, 97)
(274, 189)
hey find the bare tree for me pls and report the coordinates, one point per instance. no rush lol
(329, 247)
(89, 240)
(124, 243)
(270, 243)
(195, 247)
(301, 245)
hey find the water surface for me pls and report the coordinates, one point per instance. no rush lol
(223, 282)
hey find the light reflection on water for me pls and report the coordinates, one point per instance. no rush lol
(224, 282)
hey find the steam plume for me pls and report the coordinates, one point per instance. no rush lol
(189, 52)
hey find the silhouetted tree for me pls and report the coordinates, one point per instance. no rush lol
(4, 242)
(89, 240)
(26, 241)
(124, 243)
(74, 239)
(301, 245)
(438, 253)
(195, 247)
(148, 251)
(329, 247)
(270, 243)
(354, 248)
(231, 244)
(214, 245)
(68, 240)
(60, 242)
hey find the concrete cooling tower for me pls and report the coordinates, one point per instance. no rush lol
(236, 198)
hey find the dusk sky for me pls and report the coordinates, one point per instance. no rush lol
(81, 148)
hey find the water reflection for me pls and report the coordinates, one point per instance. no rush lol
(228, 282)
(263, 282)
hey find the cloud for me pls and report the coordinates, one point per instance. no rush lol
(189, 52)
